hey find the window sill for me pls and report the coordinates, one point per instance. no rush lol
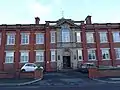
(106, 59)
(24, 44)
(103, 42)
(92, 60)
(9, 63)
(9, 44)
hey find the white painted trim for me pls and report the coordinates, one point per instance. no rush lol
(102, 32)
(104, 48)
(39, 50)
(92, 49)
(52, 49)
(115, 31)
(116, 48)
(90, 32)
(106, 59)
(39, 33)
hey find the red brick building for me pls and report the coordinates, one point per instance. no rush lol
(60, 44)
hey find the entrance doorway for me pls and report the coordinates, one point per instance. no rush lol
(66, 62)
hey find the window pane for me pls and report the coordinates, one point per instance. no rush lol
(24, 56)
(10, 39)
(117, 53)
(9, 57)
(65, 35)
(105, 54)
(53, 55)
(91, 55)
(116, 36)
(39, 38)
(52, 36)
(90, 38)
(24, 38)
(79, 55)
(103, 37)
(78, 37)
(39, 56)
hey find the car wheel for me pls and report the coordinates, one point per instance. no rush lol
(23, 70)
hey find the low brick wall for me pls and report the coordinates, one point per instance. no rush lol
(36, 74)
(95, 73)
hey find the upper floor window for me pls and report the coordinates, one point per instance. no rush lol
(10, 38)
(117, 51)
(79, 52)
(65, 34)
(39, 38)
(39, 56)
(78, 34)
(9, 57)
(90, 37)
(24, 56)
(105, 54)
(116, 36)
(52, 34)
(91, 54)
(103, 37)
(24, 38)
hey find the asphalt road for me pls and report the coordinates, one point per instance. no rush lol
(66, 81)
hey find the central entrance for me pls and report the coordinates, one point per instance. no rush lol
(66, 62)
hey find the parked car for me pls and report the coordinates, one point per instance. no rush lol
(85, 66)
(29, 67)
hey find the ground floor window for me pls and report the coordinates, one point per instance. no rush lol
(79, 53)
(9, 57)
(39, 56)
(91, 54)
(105, 54)
(24, 56)
(117, 52)
(53, 56)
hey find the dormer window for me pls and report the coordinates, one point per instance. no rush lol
(65, 34)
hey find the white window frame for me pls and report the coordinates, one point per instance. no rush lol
(115, 38)
(92, 50)
(0, 38)
(53, 55)
(52, 36)
(103, 49)
(39, 38)
(103, 37)
(78, 36)
(117, 53)
(10, 58)
(24, 53)
(79, 54)
(27, 36)
(65, 35)
(39, 55)
(89, 38)
(10, 37)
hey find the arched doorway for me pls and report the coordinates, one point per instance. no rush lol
(66, 59)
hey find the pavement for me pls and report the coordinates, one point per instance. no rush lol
(60, 79)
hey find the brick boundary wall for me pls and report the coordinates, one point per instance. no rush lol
(96, 73)
(35, 75)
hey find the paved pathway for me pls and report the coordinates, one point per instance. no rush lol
(65, 78)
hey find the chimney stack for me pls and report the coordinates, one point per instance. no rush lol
(37, 19)
(88, 20)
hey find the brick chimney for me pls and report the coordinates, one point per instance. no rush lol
(88, 20)
(37, 19)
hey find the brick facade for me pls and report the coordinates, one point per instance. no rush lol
(32, 29)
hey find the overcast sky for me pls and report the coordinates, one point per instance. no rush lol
(24, 11)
